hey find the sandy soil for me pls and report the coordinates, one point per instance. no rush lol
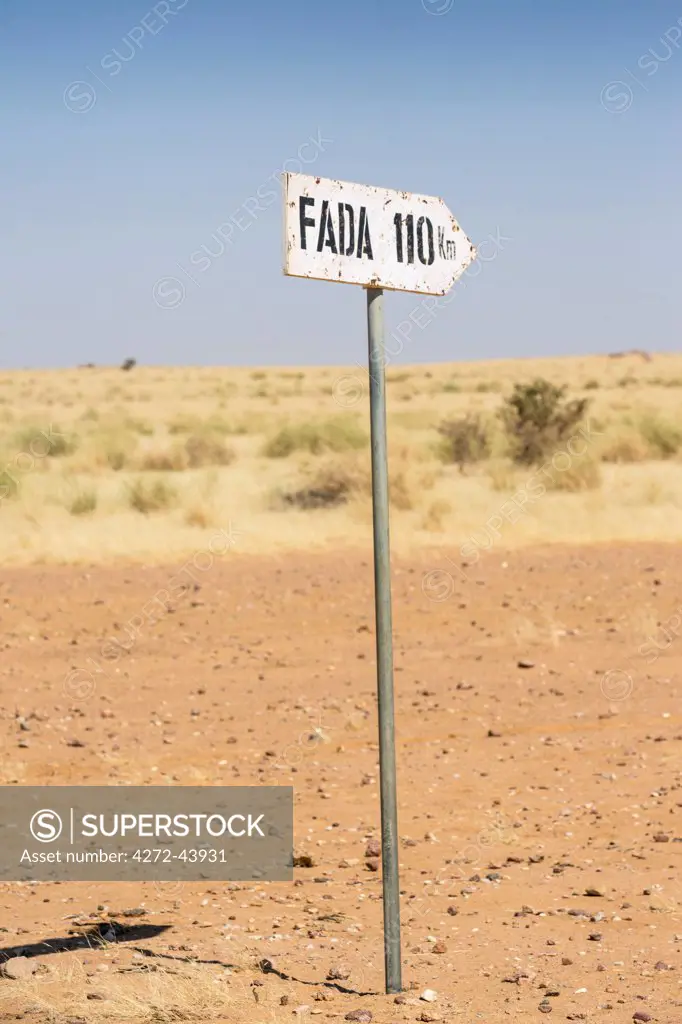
(527, 779)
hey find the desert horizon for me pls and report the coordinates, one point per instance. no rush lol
(101, 464)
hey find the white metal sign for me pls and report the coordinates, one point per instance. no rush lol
(377, 237)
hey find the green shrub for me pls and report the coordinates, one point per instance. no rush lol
(150, 496)
(327, 487)
(83, 503)
(664, 438)
(45, 441)
(207, 450)
(537, 419)
(332, 435)
(463, 441)
(114, 449)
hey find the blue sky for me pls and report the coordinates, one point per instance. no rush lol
(131, 131)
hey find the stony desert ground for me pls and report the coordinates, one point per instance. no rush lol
(537, 694)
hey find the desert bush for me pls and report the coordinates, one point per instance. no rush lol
(184, 424)
(463, 441)
(201, 514)
(150, 496)
(138, 426)
(401, 490)
(83, 503)
(663, 438)
(591, 385)
(207, 450)
(333, 435)
(115, 450)
(451, 387)
(537, 419)
(340, 480)
(433, 518)
(45, 441)
(188, 424)
(329, 486)
(627, 445)
(164, 460)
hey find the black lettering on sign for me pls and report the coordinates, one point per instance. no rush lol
(398, 221)
(346, 250)
(409, 223)
(426, 257)
(326, 235)
(431, 254)
(446, 250)
(305, 222)
(364, 241)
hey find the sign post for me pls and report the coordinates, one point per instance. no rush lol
(378, 238)
(384, 639)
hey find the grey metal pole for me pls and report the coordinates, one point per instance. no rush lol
(384, 639)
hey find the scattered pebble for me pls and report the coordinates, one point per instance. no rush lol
(338, 972)
(19, 968)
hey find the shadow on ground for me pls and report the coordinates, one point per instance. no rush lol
(98, 936)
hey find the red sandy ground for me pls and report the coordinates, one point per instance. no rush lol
(545, 777)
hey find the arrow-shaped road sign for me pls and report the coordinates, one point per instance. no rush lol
(376, 237)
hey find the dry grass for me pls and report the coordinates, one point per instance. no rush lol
(184, 992)
(146, 464)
